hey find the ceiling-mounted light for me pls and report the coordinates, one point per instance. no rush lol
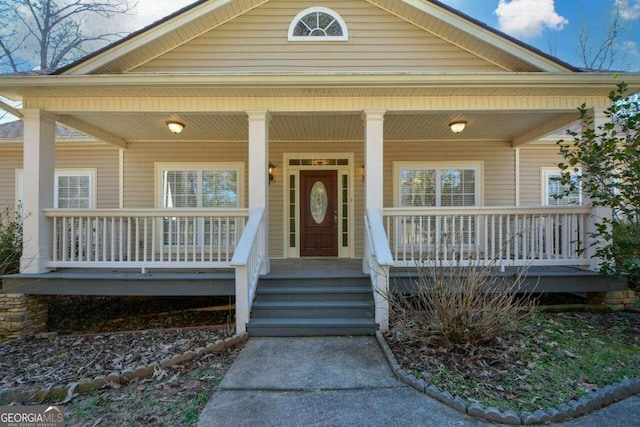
(457, 127)
(175, 127)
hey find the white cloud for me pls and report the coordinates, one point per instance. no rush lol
(527, 18)
(630, 46)
(149, 11)
(631, 53)
(629, 9)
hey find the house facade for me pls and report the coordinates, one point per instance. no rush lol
(307, 129)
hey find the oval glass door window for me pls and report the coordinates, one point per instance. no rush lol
(318, 202)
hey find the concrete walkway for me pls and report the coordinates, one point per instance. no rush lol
(340, 381)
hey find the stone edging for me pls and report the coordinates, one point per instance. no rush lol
(35, 394)
(574, 408)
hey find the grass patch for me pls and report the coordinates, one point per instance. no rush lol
(174, 400)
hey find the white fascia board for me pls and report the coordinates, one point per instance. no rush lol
(18, 84)
(488, 36)
(148, 36)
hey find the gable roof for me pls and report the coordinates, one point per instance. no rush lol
(204, 15)
(15, 131)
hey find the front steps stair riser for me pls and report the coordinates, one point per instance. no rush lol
(313, 307)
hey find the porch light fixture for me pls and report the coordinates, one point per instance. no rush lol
(457, 127)
(271, 168)
(175, 127)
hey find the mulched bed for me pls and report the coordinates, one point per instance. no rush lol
(100, 335)
(517, 371)
(61, 360)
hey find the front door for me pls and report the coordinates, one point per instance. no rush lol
(319, 213)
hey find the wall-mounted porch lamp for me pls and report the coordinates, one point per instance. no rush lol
(175, 127)
(457, 127)
(271, 168)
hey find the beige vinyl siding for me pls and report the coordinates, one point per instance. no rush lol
(531, 160)
(257, 41)
(497, 158)
(10, 160)
(140, 180)
(104, 160)
(140, 159)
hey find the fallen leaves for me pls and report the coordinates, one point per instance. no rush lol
(557, 357)
(60, 360)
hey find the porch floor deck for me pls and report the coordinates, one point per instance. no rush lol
(84, 281)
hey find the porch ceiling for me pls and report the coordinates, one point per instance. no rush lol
(495, 126)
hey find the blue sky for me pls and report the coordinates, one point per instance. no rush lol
(554, 26)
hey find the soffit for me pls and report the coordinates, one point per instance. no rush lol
(498, 126)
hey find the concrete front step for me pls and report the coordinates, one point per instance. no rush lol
(321, 309)
(292, 327)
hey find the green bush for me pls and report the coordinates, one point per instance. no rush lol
(604, 162)
(625, 249)
(10, 241)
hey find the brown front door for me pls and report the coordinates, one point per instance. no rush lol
(319, 213)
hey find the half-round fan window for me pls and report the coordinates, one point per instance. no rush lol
(318, 24)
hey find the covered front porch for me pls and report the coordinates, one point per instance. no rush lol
(366, 135)
(544, 241)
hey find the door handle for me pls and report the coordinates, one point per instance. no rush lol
(335, 217)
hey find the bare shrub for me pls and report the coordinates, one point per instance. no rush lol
(453, 305)
(10, 241)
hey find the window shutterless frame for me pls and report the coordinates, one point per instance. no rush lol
(318, 24)
(79, 188)
(198, 186)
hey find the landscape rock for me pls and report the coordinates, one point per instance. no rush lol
(476, 410)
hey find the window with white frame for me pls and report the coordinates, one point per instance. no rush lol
(212, 185)
(437, 185)
(73, 188)
(318, 24)
(556, 193)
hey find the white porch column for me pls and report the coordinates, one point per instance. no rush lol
(38, 185)
(599, 212)
(259, 173)
(373, 156)
(373, 196)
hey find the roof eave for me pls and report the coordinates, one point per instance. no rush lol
(138, 38)
(12, 87)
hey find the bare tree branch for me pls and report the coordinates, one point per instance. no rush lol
(602, 56)
(54, 31)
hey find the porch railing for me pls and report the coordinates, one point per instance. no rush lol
(248, 261)
(145, 238)
(377, 260)
(507, 236)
